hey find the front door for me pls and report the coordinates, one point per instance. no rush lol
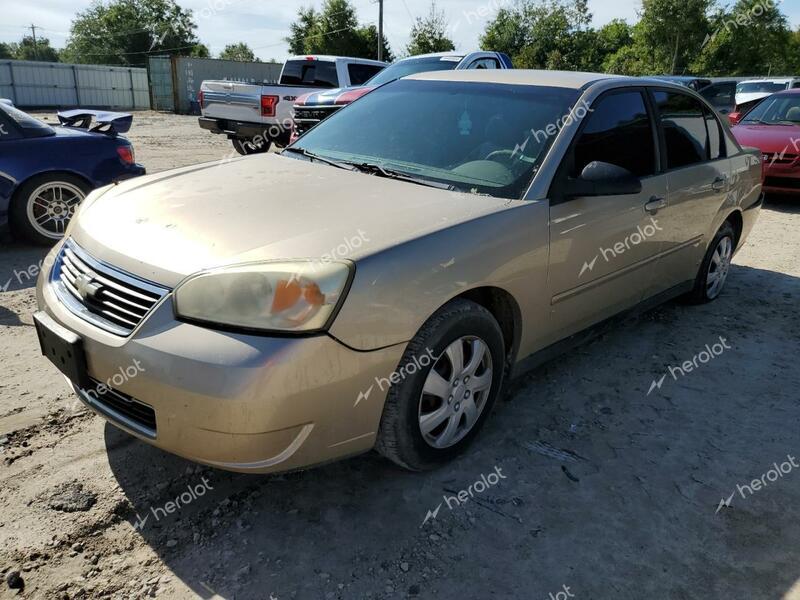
(602, 247)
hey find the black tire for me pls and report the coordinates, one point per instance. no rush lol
(247, 147)
(400, 437)
(21, 223)
(701, 293)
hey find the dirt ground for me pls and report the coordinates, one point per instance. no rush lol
(600, 490)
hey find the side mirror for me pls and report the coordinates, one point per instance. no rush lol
(734, 117)
(603, 179)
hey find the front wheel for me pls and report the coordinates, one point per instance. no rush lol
(447, 382)
(246, 147)
(43, 207)
(715, 267)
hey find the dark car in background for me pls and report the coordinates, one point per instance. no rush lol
(46, 171)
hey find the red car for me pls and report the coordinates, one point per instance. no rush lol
(773, 126)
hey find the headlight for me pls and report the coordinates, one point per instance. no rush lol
(281, 296)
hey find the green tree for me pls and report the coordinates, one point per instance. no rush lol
(124, 32)
(754, 38)
(240, 52)
(544, 34)
(670, 33)
(429, 34)
(301, 29)
(27, 50)
(6, 51)
(334, 30)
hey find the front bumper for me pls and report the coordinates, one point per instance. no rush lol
(234, 401)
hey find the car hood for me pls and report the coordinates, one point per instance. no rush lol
(334, 97)
(769, 138)
(264, 207)
(744, 98)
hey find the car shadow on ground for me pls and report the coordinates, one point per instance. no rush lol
(607, 484)
(783, 203)
(20, 264)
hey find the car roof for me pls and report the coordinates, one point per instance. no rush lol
(330, 58)
(564, 79)
(437, 55)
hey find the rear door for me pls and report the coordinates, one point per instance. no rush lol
(698, 180)
(602, 246)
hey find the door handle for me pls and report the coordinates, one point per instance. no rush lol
(719, 184)
(655, 204)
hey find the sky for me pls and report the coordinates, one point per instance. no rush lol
(263, 24)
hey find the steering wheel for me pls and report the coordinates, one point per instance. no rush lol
(504, 157)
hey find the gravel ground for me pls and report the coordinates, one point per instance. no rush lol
(599, 489)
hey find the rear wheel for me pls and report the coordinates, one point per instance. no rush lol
(449, 378)
(715, 267)
(43, 207)
(246, 147)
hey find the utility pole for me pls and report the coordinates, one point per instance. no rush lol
(35, 45)
(380, 29)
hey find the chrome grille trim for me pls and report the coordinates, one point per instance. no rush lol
(121, 302)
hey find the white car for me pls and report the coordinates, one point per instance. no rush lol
(256, 116)
(755, 89)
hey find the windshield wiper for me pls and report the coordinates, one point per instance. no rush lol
(382, 171)
(311, 156)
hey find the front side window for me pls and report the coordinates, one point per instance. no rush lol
(310, 73)
(618, 131)
(683, 120)
(481, 138)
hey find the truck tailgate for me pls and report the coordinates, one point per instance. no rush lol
(231, 100)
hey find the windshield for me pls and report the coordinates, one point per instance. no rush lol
(481, 138)
(31, 127)
(766, 87)
(783, 109)
(412, 66)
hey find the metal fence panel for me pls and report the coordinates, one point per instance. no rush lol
(39, 84)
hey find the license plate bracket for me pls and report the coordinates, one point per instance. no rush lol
(63, 348)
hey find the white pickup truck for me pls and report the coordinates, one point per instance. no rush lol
(256, 116)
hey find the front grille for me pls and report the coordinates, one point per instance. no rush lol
(306, 117)
(783, 182)
(780, 159)
(122, 408)
(109, 298)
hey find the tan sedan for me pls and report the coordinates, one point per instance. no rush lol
(379, 283)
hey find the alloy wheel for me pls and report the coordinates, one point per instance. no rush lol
(51, 206)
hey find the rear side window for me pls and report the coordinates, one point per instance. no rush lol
(310, 73)
(618, 131)
(360, 74)
(684, 122)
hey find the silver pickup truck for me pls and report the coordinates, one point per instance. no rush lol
(256, 116)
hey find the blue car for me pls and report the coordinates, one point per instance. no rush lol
(45, 172)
